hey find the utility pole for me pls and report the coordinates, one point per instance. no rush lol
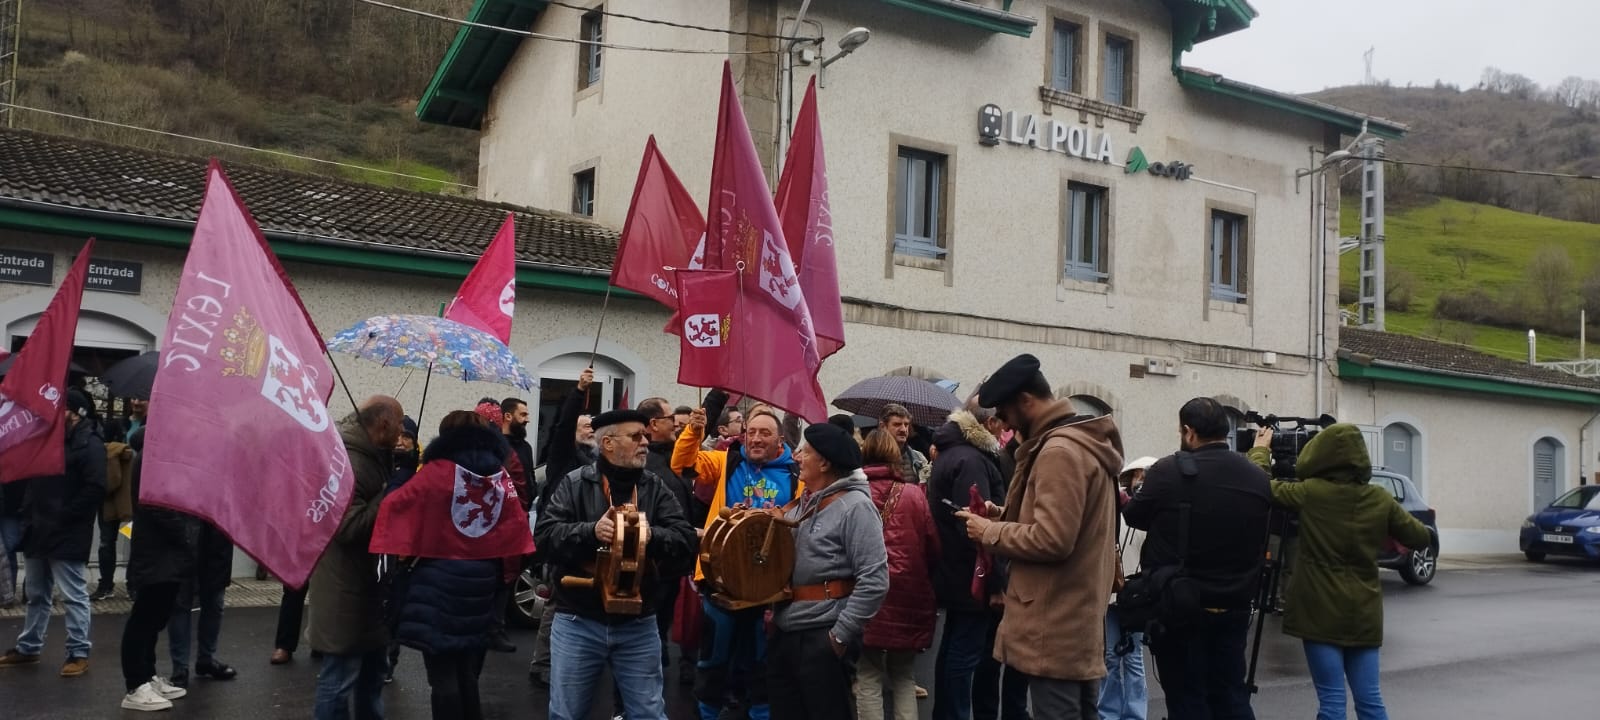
(1372, 282)
(10, 50)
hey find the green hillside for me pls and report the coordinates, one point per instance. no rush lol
(1480, 256)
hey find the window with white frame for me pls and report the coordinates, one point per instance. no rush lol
(1086, 233)
(1116, 69)
(1064, 60)
(919, 198)
(591, 30)
(583, 193)
(1229, 257)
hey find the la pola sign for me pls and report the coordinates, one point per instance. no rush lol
(1073, 139)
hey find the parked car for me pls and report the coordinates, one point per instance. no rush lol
(1569, 526)
(1415, 565)
(531, 590)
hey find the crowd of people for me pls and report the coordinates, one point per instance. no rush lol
(1053, 560)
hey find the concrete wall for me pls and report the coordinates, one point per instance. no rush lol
(1476, 459)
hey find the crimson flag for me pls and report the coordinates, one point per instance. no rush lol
(778, 344)
(708, 300)
(447, 511)
(808, 225)
(32, 425)
(239, 432)
(660, 232)
(488, 297)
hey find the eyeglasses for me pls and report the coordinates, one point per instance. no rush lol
(638, 438)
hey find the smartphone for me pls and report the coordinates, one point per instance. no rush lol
(953, 507)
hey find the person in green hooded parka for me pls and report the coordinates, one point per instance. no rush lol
(1335, 604)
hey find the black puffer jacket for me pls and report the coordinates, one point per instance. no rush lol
(164, 541)
(59, 513)
(968, 457)
(565, 533)
(448, 605)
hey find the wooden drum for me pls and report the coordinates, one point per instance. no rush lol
(747, 557)
(620, 567)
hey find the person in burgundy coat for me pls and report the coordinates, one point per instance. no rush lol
(904, 624)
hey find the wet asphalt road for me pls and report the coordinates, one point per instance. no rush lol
(1512, 640)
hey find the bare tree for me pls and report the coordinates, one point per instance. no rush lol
(1550, 279)
(1569, 91)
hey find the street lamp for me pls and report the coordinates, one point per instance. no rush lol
(848, 44)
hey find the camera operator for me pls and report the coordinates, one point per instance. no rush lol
(1200, 657)
(1335, 604)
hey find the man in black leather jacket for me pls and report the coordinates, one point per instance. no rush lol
(575, 523)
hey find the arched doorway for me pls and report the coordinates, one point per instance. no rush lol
(1400, 451)
(558, 376)
(1549, 466)
(1089, 405)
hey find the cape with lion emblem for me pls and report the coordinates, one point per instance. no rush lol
(461, 505)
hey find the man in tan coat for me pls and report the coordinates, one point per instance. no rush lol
(1058, 529)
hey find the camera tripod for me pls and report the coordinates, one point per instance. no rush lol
(1266, 601)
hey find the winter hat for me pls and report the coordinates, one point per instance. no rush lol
(1143, 463)
(79, 402)
(490, 411)
(408, 427)
(1008, 381)
(834, 445)
(616, 417)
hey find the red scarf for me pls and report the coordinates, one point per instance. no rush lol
(451, 513)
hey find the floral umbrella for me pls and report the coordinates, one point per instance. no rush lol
(440, 346)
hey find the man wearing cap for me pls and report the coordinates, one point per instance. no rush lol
(58, 534)
(584, 638)
(757, 472)
(1201, 663)
(1057, 529)
(840, 577)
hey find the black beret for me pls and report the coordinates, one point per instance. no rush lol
(620, 416)
(1009, 380)
(834, 445)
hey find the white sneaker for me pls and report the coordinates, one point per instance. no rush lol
(146, 699)
(166, 689)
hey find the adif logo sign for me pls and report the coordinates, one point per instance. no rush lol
(1138, 163)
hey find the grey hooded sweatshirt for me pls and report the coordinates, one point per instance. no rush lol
(843, 541)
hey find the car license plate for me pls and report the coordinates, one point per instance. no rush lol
(1560, 539)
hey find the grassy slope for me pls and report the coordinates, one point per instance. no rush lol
(1499, 243)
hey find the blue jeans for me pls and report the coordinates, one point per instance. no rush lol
(1123, 696)
(580, 648)
(1331, 667)
(343, 674)
(41, 574)
(10, 535)
(959, 651)
(178, 635)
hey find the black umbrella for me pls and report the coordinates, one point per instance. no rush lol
(5, 366)
(928, 404)
(133, 377)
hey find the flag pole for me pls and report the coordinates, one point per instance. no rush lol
(601, 326)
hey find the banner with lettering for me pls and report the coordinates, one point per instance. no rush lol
(239, 433)
(32, 428)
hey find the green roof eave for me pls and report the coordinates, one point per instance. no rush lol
(1346, 121)
(176, 234)
(458, 93)
(1351, 370)
(1000, 21)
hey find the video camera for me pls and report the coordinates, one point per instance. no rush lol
(1289, 436)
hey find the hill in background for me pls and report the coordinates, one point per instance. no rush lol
(331, 79)
(1513, 126)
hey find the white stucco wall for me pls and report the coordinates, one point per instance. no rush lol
(1477, 454)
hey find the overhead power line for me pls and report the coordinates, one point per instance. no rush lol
(1503, 171)
(685, 26)
(557, 38)
(235, 146)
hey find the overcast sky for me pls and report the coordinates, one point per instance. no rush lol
(1307, 45)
